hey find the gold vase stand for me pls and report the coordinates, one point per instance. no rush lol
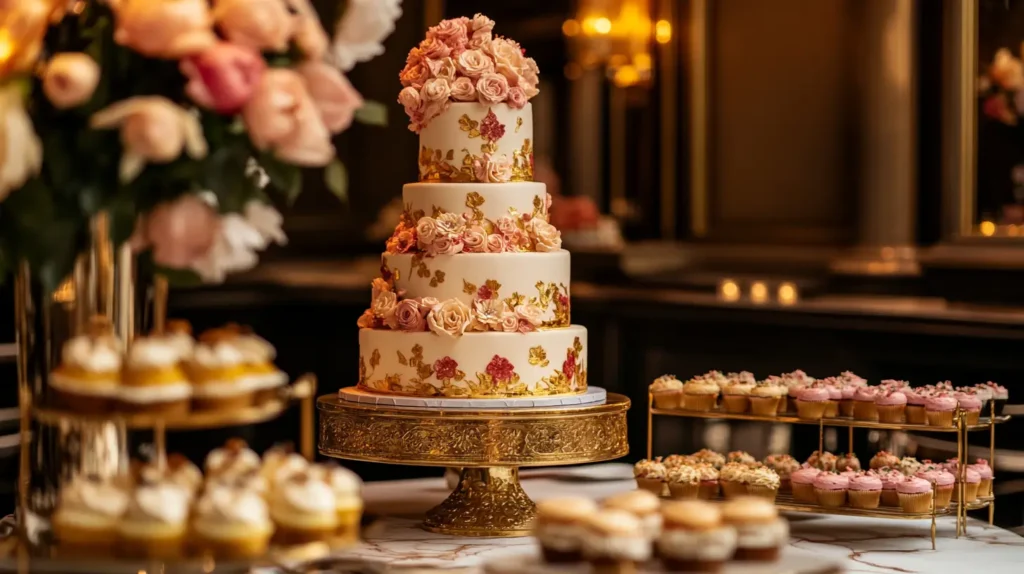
(489, 445)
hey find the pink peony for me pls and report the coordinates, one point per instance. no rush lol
(223, 77)
(491, 88)
(516, 98)
(332, 93)
(408, 316)
(179, 232)
(454, 33)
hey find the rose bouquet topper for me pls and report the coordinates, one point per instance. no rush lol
(179, 119)
(462, 61)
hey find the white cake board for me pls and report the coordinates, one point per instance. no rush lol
(593, 396)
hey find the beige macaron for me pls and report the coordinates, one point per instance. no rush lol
(749, 510)
(691, 515)
(615, 523)
(565, 510)
(637, 502)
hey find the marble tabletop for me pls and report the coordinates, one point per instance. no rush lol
(396, 543)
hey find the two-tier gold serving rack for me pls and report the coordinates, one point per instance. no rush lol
(786, 503)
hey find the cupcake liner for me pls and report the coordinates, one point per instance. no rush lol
(940, 418)
(832, 409)
(804, 493)
(890, 497)
(865, 411)
(864, 498)
(757, 554)
(700, 403)
(810, 410)
(985, 488)
(916, 503)
(764, 492)
(973, 417)
(681, 490)
(970, 492)
(733, 489)
(163, 548)
(708, 490)
(831, 498)
(787, 405)
(943, 496)
(764, 406)
(890, 413)
(846, 408)
(915, 415)
(735, 403)
(670, 400)
(651, 485)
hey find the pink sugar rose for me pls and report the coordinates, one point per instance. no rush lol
(516, 98)
(410, 100)
(474, 240)
(434, 49)
(496, 243)
(492, 168)
(508, 58)
(415, 73)
(491, 88)
(408, 316)
(435, 97)
(463, 90)
(442, 68)
(223, 77)
(481, 28)
(509, 322)
(445, 245)
(506, 225)
(530, 317)
(454, 33)
(332, 93)
(283, 118)
(474, 63)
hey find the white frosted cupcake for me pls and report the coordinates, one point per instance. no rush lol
(237, 465)
(87, 514)
(232, 523)
(178, 334)
(348, 499)
(263, 375)
(89, 375)
(668, 392)
(560, 527)
(304, 509)
(650, 475)
(156, 523)
(280, 462)
(615, 541)
(700, 394)
(179, 470)
(153, 380)
(694, 538)
(218, 373)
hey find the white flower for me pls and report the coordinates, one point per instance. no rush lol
(241, 236)
(362, 28)
(21, 154)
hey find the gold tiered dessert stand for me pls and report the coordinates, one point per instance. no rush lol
(490, 445)
(787, 503)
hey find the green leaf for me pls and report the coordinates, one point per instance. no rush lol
(372, 113)
(336, 179)
(286, 178)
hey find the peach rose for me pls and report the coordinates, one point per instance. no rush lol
(410, 100)
(454, 33)
(450, 224)
(530, 78)
(463, 90)
(481, 28)
(168, 29)
(367, 320)
(530, 317)
(24, 24)
(1007, 70)
(435, 91)
(493, 168)
(70, 79)
(506, 225)
(259, 24)
(474, 63)
(426, 231)
(310, 37)
(332, 93)
(509, 322)
(496, 243)
(475, 240)
(546, 237)
(450, 318)
(508, 58)
(491, 88)
(179, 232)
(408, 316)
(434, 49)
(442, 68)
(223, 77)
(383, 305)
(283, 118)
(516, 98)
(445, 245)
(428, 303)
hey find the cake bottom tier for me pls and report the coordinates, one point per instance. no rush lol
(547, 362)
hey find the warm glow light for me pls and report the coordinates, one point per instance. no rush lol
(65, 293)
(758, 292)
(573, 71)
(787, 294)
(1013, 230)
(602, 25)
(642, 61)
(6, 46)
(663, 31)
(988, 229)
(571, 28)
(626, 76)
(728, 290)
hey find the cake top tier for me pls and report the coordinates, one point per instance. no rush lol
(462, 61)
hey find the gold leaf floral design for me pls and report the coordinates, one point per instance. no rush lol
(522, 162)
(473, 201)
(437, 279)
(401, 359)
(375, 358)
(538, 207)
(519, 123)
(470, 126)
(538, 357)
(468, 288)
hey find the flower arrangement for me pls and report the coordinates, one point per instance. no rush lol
(178, 119)
(451, 233)
(1002, 88)
(462, 61)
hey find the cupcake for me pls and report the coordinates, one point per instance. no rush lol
(987, 476)
(761, 481)
(802, 482)
(264, 378)
(824, 461)
(673, 460)
(971, 480)
(560, 528)
(741, 456)
(178, 334)
(650, 476)
(280, 462)
(940, 410)
(234, 458)
(865, 491)
(668, 392)
(999, 396)
(891, 478)
(909, 466)
(736, 395)
(615, 542)
(830, 489)
(700, 395)
(864, 404)
(883, 459)
(709, 485)
(153, 381)
(984, 395)
(87, 514)
(304, 509)
(784, 466)
(811, 402)
(835, 395)
(890, 406)
(178, 470)
(709, 456)
(971, 405)
(766, 397)
(694, 538)
(731, 479)
(914, 413)
(745, 377)
(848, 461)
(156, 522)
(760, 533)
(231, 523)
(348, 498)
(683, 482)
(88, 378)
(915, 495)
(942, 482)
(641, 504)
(794, 382)
(716, 377)
(219, 374)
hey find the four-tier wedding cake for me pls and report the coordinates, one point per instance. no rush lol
(473, 298)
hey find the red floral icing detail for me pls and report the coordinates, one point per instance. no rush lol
(484, 293)
(445, 368)
(500, 369)
(490, 128)
(569, 366)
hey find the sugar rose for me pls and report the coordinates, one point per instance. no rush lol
(546, 237)
(496, 243)
(383, 305)
(70, 79)
(474, 63)
(169, 29)
(282, 117)
(407, 316)
(475, 240)
(516, 98)
(259, 24)
(410, 100)
(482, 28)
(332, 93)
(451, 32)
(463, 90)
(493, 168)
(509, 322)
(434, 49)
(508, 58)
(450, 224)
(442, 68)
(223, 77)
(435, 90)
(426, 231)
(450, 318)
(445, 245)
(491, 88)
(530, 317)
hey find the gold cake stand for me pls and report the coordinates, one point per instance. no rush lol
(490, 445)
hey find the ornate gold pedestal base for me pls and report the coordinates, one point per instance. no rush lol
(487, 502)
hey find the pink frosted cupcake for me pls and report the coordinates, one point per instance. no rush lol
(942, 481)
(915, 407)
(864, 404)
(985, 472)
(890, 406)
(865, 491)
(802, 483)
(915, 495)
(971, 405)
(847, 391)
(883, 459)
(890, 480)
(811, 402)
(971, 482)
(940, 409)
(830, 489)
(835, 395)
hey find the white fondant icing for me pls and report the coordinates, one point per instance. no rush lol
(498, 198)
(383, 352)
(447, 134)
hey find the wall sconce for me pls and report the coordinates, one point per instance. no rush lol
(616, 34)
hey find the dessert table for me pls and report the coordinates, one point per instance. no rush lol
(396, 543)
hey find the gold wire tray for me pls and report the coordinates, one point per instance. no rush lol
(983, 424)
